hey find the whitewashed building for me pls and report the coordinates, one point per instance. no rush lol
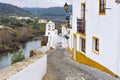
(95, 34)
(20, 18)
(52, 34)
(42, 21)
(1, 26)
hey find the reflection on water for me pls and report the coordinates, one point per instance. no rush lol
(5, 58)
(29, 46)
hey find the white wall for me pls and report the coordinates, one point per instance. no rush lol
(35, 71)
(64, 32)
(50, 25)
(118, 56)
(106, 27)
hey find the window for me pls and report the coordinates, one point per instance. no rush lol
(81, 22)
(82, 44)
(102, 6)
(53, 27)
(48, 33)
(83, 10)
(96, 44)
(49, 27)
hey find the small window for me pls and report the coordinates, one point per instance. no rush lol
(83, 6)
(53, 27)
(48, 33)
(102, 6)
(82, 44)
(49, 27)
(96, 44)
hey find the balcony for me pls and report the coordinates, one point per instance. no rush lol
(81, 26)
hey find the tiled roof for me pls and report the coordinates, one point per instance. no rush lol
(117, 1)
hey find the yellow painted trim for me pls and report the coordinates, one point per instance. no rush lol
(81, 34)
(72, 52)
(74, 34)
(67, 48)
(69, 27)
(101, 13)
(83, 3)
(85, 45)
(93, 50)
(85, 60)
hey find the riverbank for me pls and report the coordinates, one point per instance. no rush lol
(11, 47)
(5, 58)
(10, 40)
(15, 32)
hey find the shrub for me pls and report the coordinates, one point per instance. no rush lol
(17, 56)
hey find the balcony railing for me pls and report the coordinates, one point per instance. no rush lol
(81, 26)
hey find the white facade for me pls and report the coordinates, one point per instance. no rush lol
(50, 28)
(105, 27)
(52, 34)
(20, 18)
(1, 26)
(42, 21)
(64, 32)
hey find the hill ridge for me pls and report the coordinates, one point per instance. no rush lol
(9, 9)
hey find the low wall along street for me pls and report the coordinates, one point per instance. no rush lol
(34, 71)
(33, 68)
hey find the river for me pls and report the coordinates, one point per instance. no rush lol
(5, 58)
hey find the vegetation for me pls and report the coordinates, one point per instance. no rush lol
(8, 9)
(57, 14)
(52, 11)
(17, 31)
(17, 56)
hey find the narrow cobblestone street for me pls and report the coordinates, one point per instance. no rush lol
(61, 67)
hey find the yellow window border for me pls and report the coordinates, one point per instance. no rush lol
(83, 3)
(81, 34)
(93, 50)
(101, 13)
(85, 45)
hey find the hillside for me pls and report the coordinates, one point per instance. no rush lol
(54, 13)
(8, 9)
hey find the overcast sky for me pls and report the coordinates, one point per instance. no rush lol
(36, 3)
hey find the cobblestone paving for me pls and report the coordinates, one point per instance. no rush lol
(61, 67)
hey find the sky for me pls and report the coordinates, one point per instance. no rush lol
(37, 3)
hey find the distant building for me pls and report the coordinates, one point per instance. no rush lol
(12, 16)
(52, 33)
(20, 18)
(1, 26)
(42, 21)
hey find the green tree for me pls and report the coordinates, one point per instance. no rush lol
(17, 56)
